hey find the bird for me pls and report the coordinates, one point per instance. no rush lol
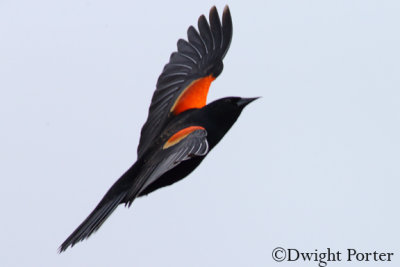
(181, 128)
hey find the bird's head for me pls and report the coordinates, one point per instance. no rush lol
(224, 112)
(230, 105)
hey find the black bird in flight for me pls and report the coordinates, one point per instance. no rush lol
(180, 129)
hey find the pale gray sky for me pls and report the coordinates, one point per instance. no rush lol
(311, 165)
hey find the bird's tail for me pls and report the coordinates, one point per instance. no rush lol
(118, 193)
(95, 219)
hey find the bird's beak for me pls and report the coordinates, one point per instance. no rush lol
(245, 101)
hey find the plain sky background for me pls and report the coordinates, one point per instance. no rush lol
(311, 165)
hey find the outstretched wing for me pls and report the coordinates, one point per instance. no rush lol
(185, 144)
(185, 80)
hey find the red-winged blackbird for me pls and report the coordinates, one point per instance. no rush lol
(180, 129)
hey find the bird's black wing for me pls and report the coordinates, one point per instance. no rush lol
(184, 146)
(190, 142)
(185, 80)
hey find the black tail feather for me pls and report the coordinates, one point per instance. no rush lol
(93, 222)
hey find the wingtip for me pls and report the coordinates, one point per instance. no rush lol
(213, 10)
(227, 27)
(202, 17)
(226, 10)
(226, 15)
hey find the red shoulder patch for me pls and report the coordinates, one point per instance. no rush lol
(193, 96)
(178, 136)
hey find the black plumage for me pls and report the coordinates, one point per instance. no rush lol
(172, 143)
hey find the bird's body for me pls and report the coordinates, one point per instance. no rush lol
(180, 130)
(216, 120)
